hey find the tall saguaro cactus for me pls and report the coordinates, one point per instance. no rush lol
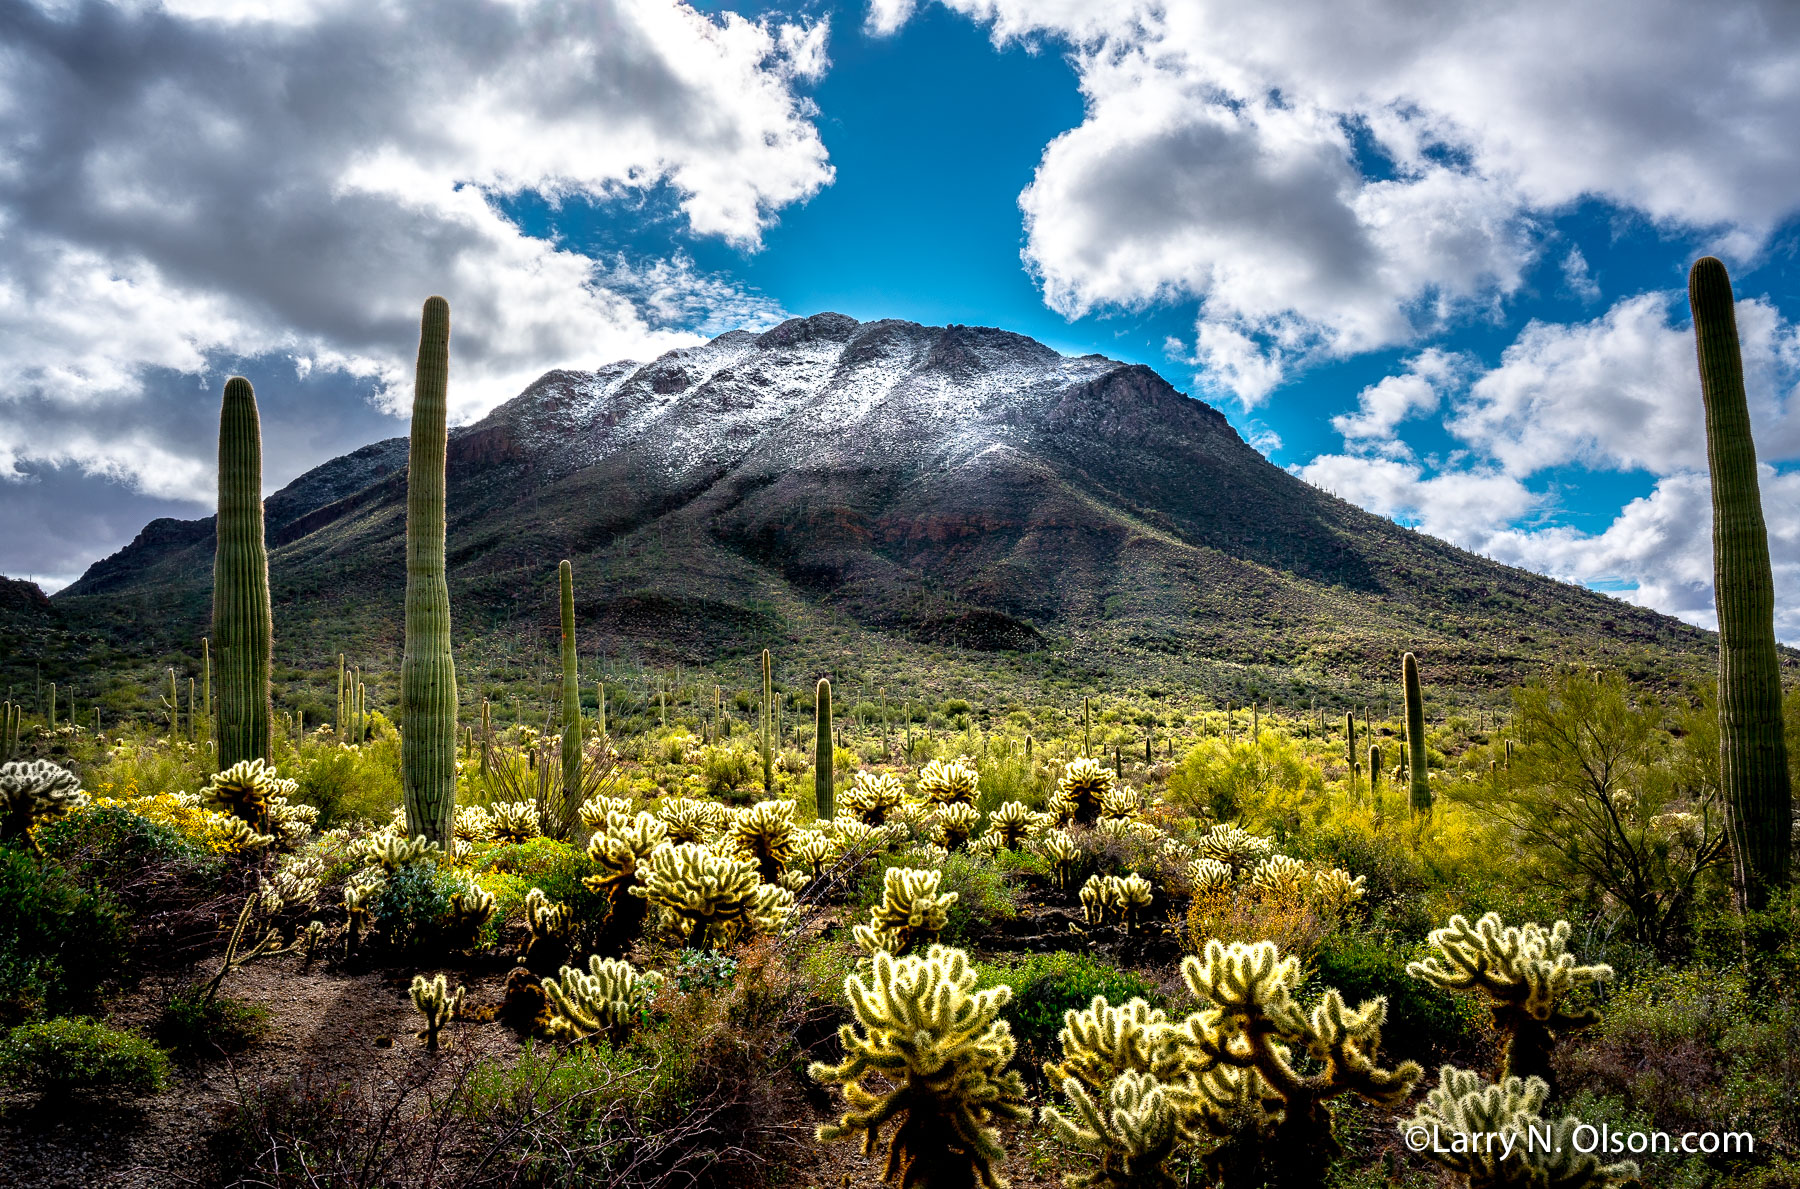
(768, 722)
(1753, 767)
(1418, 774)
(822, 755)
(427, 670)
(242, 622)
(571, 696)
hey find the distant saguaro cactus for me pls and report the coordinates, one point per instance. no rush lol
(1753, 766)
(571, 697)
(823, 752)
(1417, 765)
(768, 722)
(242, 622)
(427, 669)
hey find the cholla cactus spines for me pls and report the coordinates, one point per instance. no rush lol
(926, 854)
(1101, 1041)
(471, 908)
(988, 846)
(242, 790)
(1237, 848)
(472, 824)
(34, 791)
(1127, 828)
(1059, 849)
(954, 824)
(436, 1003)
(951, 783)
(765, 833)
(595, 810)
(707, 898)
(943, 1050)
(296, 884)
(1011, 823)
(392, 853)
(1526, 972)
(692, 820)
(513, 821)
(1255, 1024)
(1080, 789)
(1208, 875)
(1282, 875)
(872, 796)
(911, 914)
(602, 999)
(290, 824)
(1133, 1129)
(1496, 1126)
(1335, 889)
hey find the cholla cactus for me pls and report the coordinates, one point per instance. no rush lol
(1101, 1041)
(812, 850)
(436, 1004)
(1109, 898)
(514, 821)
(1526, 972)
(1126, 828)
(1492, 1137)
(764, 832)
(1059, 849)
(1120, 802)
(1208, 875)
(708, 898)
(235, 836)
(602, 1000)
(393, 852)
(290, 824)
(927, 854)
(1281, 876)
(872, 796)
(953, 783)
(911, 913)
(471, 908)
(954, 824)
(34, 791)
(1244, 1042)
(296, 884)
(1335, 889)
(360, 898)
(472, 824)
(988, 846)
(595, 810)
(1133, 1130)
(942, 1050)
(854, 835)
(690, 820)
(1238, 849)
(1011, 823)
(242, 790)
(620, 847)
(1080, 789)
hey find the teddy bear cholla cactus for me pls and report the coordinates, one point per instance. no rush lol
(393, 852)
(1237, 848)
(707, 898)
(1110, 898)
(954, 824)
(32, 792)
(764, 832)
(601, 999)
(595, 810)
(513, 821)
(1133, 1129)
(940, 1047)
(1011, 823)
(1465, 1118)
(471, 907)
(911, 914)
(434, 1001)
(872, 796)
(472, 824)
(1526, 972)
(242, 790)
(1059, 849)
(1079, 791)
(691, 820)
(949, 783)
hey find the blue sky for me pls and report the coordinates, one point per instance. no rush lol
(1436, 266)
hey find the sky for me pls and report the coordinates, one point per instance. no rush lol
(1429, 257)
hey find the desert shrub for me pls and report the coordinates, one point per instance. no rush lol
(1248, 913)
(984, 896)
(1261, 783)
(1045, 986)
(63, 1057)
(729, 769)
(1424, 1023)
(59, 943)
(151, 765)
(703, 970)
(1012, 778)
(191, 1026)
(347, 784)
(414, 906)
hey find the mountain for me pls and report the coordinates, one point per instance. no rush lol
(886, 497)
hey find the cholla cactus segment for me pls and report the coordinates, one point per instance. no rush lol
(603, 999)
(236, 836)
(242, 790)
(1133, 1130)
(1011, 823)
(436, 1004)
(472, 824)
(690, 820)
(1110, 898)
(929, 854)
(707, 898)
(471, 908)
(1238, 849)
(547, 918)
(1208, 875)
(872, 796)
(296, 884)
(1101, 1041)
(770, 907)
(942, 1049)
(1079, 790)
(952, 783)
(1525, 971)
(290, 824)
(764, 832)
(1492, 1136)
(1059, 849)
(795, 881)
(621, 847)
(911, 914)
(813, 849)
(393, 853)
(954, 824)
(514, 821)
(1280, 875)
(1127, 828)
(1120, 802)
(1335, 889)
(988, 846)
(595, 810)
(32, 792)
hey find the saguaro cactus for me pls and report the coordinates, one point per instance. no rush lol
(1417, 765)
(242, 622)
(1753, 767)
(571, 696)
(427, 670)
(823, 754)
(768, 722)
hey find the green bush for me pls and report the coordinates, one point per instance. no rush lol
(1012, 778)
(511, 871)
(984, 895)
(1424, 1023)
(59, 943)
(191, 1028)
(1045, 986)
(347, 784)
(61, 1057)
(415, 906)
(729, 769)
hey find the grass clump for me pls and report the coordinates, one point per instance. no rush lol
(60, 1058)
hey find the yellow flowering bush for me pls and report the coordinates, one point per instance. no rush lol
(216, 833)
